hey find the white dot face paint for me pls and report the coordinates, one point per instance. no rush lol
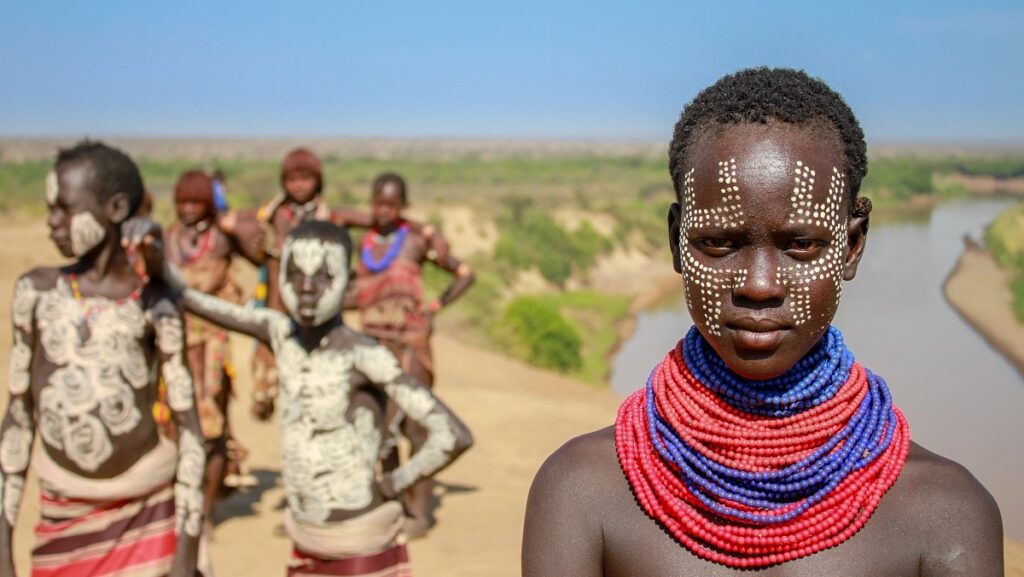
(812, 216)
(86, 233)
(310, 255)
(713, 283)
(52, 188)
(824, 212)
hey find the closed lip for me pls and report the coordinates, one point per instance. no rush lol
(60, 240)
(758, 325)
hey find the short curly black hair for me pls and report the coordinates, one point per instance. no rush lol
(760, 95)
(113, 171)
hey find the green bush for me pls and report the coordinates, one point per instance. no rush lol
(1017, 287)
(532, 238)
(541, 335)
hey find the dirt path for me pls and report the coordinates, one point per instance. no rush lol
(980, 291)
(518, 414)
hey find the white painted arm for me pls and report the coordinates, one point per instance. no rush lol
(447, 436)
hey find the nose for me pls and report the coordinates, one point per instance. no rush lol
(54, 219)
(761, 282)
(306, 284)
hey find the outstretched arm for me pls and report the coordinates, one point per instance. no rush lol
(247, 233)
(143, 236)
(440, 254)
(448, 437)
(17, 431)
(188, 494)
(351, 218)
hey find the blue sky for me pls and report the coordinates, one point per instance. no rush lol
(912, 71)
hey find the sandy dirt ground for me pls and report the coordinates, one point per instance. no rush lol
(980, 291)
(518, 414)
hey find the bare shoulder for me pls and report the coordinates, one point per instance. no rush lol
(956, 520)
(936, 485)
(41, 278)
(585, 467)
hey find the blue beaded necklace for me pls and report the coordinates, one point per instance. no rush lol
(376, 266)
(793, 489)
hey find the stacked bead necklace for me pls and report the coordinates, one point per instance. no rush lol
(754, 473)
(373, 237)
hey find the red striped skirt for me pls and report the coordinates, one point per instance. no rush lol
(124, 538)
(391, 562)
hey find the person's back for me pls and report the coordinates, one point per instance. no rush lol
(759, 443)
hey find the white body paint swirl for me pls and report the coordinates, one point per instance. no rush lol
(86, 233)
(188, 495)
(91, 394)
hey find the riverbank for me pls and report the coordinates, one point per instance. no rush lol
(978, 290)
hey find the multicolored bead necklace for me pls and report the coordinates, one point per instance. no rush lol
(754, 473)
(89, 310)
(371, 238)
(203, 246)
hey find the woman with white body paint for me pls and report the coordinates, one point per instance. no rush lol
(342, 513)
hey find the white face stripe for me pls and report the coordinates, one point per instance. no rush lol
(52, 188)
(86, 233)
(310, 256)
(715, 284)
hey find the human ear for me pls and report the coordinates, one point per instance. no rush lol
(856, 238)
(674, 218)
(118, 207)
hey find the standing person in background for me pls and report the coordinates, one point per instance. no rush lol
(388, 291)
(342, 512)
(203, 253)
(90, 339)
(260, 235)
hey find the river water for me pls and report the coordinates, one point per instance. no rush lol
(963, 400)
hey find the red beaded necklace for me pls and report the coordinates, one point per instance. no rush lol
(752, 445)
(202, 248)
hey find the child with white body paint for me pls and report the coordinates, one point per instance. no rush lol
(342, 513)
(117, 499)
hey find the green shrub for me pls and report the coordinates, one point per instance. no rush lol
(541, 335)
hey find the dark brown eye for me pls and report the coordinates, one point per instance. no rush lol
(715, 246)
(804, 247)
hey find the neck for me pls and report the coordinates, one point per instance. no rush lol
(107, 259)
(310, 336)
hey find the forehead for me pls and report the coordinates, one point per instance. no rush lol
(74, 181)
(389, 191)
(765, 158)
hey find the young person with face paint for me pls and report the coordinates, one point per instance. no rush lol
(260, 236)
(204, 253)
(388, 292)
(760, 444)
(344, 517)
(89, 340)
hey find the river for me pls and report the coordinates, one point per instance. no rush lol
(963, 399)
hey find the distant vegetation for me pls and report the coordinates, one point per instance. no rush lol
(1005, 239)
(568, 328)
